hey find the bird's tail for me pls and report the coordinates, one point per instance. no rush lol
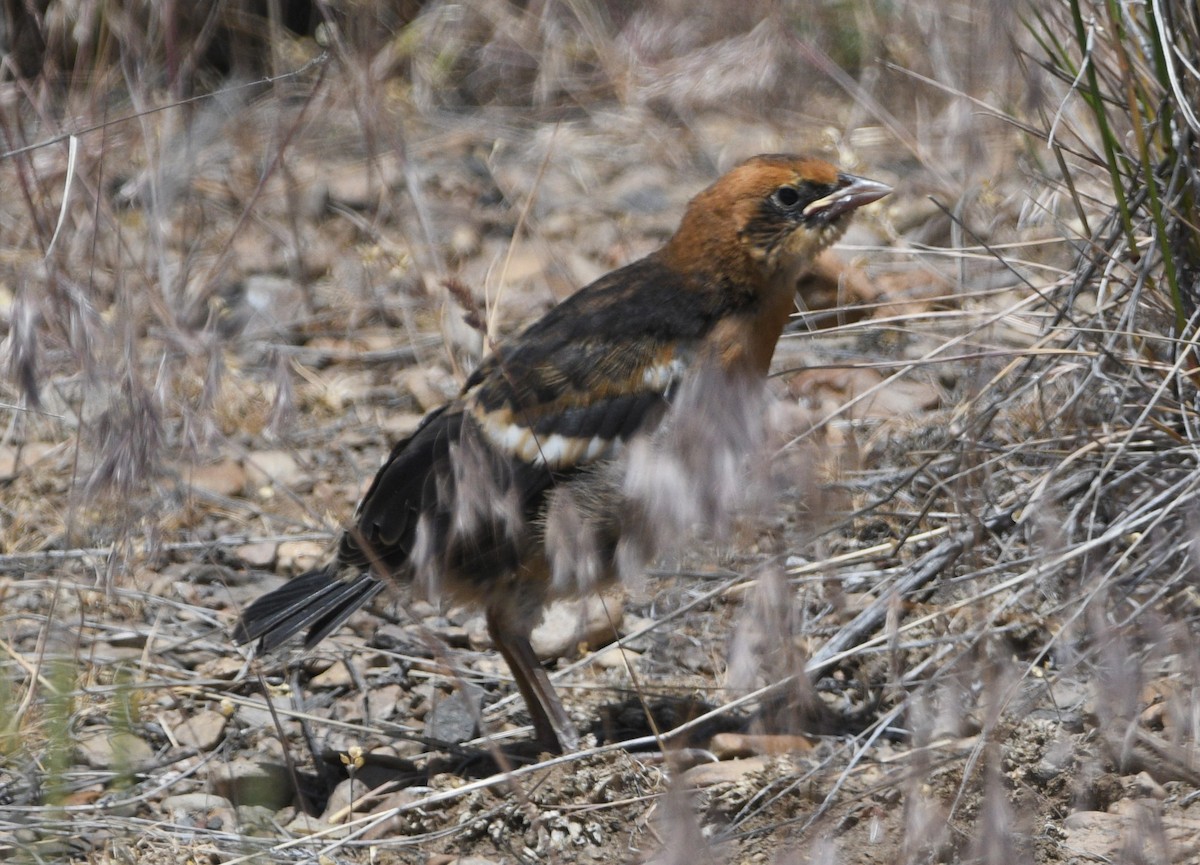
(319, 600)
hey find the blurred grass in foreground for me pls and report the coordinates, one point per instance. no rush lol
(1135, 67)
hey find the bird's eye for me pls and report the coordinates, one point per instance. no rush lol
(787, 196)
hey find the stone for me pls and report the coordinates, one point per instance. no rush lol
(306, 824)
(724, 772)
(616, 658)
(338, 675)
(254, 713)
(454, 718)
(250, 782)
(270, 468)
(200, 809)
(223, 478)
(346, 797)
(114, 750)
(734, 745)
(567, 623)
(8, 462)
(298, 556)
(260, 554)
(203, 731)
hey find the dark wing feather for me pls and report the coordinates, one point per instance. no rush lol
(450, 479)
(601, 363)
(387, 516)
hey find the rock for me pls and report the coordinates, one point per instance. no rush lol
(397, 638)
(1106, 835)
(455, 718)
(305, 824)
(1057, 758)
(1154, 716)
(524, 263)
(430, 386)
(634, 624)
(257, 555)
(224, 478)
(559, 225)
(478, 637)
(345, 797)
(584, 270)
(8, 462)
(15, 459)
(223, 668)
(203, 730)
(491, 666)
(454, 636)
(724, 772)
(108, 653)
(339, 675)
(114, 750)
(255, 714)
(616, 658)
(398, 824)
(256, 250)
(568, 623)
(1093, 834)
(271, 468)
(250, 782)
(297, 556)
(256, 820)
(200, 809)
(361, 186)
(420, 700)
(733, 745)
(315, 200)
(422, 609)
(399, 750)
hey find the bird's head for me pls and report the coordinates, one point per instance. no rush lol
(769, 217)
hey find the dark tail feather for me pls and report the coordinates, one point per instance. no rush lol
(339, 607)
(316, 600)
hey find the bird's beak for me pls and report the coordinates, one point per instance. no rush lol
(852, 192)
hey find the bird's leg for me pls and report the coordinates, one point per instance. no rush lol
(551, 725)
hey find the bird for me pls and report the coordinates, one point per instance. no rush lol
(469, 502)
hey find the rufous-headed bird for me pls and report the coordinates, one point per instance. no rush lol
(464, 502)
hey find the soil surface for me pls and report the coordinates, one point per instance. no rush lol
(287, 285)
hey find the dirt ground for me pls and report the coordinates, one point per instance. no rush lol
(252, 298)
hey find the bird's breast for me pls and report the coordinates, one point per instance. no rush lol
(745, 342)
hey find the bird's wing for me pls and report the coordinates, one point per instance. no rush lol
(594, 371)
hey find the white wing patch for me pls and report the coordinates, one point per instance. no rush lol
(555, 450)
(560, 451)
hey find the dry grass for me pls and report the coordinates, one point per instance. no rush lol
(995, 583)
